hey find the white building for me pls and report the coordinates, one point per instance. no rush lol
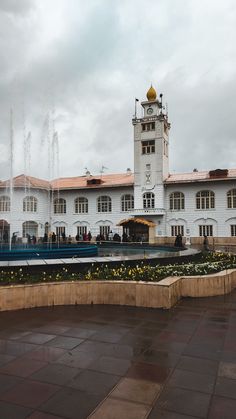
(151, 203)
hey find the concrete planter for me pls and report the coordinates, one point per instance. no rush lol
(163, 294)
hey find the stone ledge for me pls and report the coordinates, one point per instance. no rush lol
(163, 294)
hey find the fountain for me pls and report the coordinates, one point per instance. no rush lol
(31, 244)
(38, 242)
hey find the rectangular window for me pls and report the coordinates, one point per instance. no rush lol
(205, 230)
(165, 148)
(175, 230)
(104, 231)
(81, 230)
(60, 232)
(233, 230)
(148, 147)
(149, 126)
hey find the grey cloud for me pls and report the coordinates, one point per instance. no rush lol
(17, 7)
(103, 58)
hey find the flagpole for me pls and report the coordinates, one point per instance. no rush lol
(135, 108)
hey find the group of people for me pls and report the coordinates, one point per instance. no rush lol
(179, 242)
(108, 237)
(83, 237)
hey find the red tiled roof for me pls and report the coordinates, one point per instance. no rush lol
(112, 180)
(198, 177)
(23, 181)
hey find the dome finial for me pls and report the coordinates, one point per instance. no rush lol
(151, 94)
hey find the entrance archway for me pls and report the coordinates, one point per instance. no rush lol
(136, 229)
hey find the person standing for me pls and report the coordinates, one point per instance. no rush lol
(206, 244)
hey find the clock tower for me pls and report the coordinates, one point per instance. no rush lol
(151, 161)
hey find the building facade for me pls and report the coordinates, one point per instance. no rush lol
(149, 204)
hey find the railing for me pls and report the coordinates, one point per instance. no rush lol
(149, 211)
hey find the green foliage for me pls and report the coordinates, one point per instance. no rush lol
(210, 263)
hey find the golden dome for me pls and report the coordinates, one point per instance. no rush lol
(151, 94)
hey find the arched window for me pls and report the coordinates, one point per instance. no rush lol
(127, 202)
(81, 205)
(148, 200)
(231, 198)
(177, 201)
(104, 203)
(4, 204)
(205, 200)
(30, 204)
(59, 206)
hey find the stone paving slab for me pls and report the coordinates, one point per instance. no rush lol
(113, 362)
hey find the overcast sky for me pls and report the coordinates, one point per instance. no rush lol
(75, 68)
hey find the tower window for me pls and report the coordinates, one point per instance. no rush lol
(148, 200)
(165, 148)
(148, 147)
(148, 126)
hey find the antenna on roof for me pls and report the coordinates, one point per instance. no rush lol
(161, 96)
(102, 169)
(135, 108)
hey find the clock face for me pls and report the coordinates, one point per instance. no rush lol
(149, 111)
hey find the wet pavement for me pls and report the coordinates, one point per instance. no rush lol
(111, 362)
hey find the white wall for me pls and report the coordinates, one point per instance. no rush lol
(220, 217)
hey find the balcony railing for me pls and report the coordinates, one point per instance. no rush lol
(147, 211)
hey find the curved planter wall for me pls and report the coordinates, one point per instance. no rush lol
(163, 294)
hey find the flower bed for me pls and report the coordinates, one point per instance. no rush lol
(209, 264)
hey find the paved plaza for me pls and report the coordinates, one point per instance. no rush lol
(110, 362)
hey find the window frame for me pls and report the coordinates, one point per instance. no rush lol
(205, 200)
(206, 230)
(81, 205)
(176, 230)
(233, 230)
(104, 204)
(81, 230)
(127, 202)
(148, 147)
(104, 231)
(59, 206)
(177, 201)
(148, 126)
(5, 203)
(231, 199)
(30, 204)
(148, 200)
